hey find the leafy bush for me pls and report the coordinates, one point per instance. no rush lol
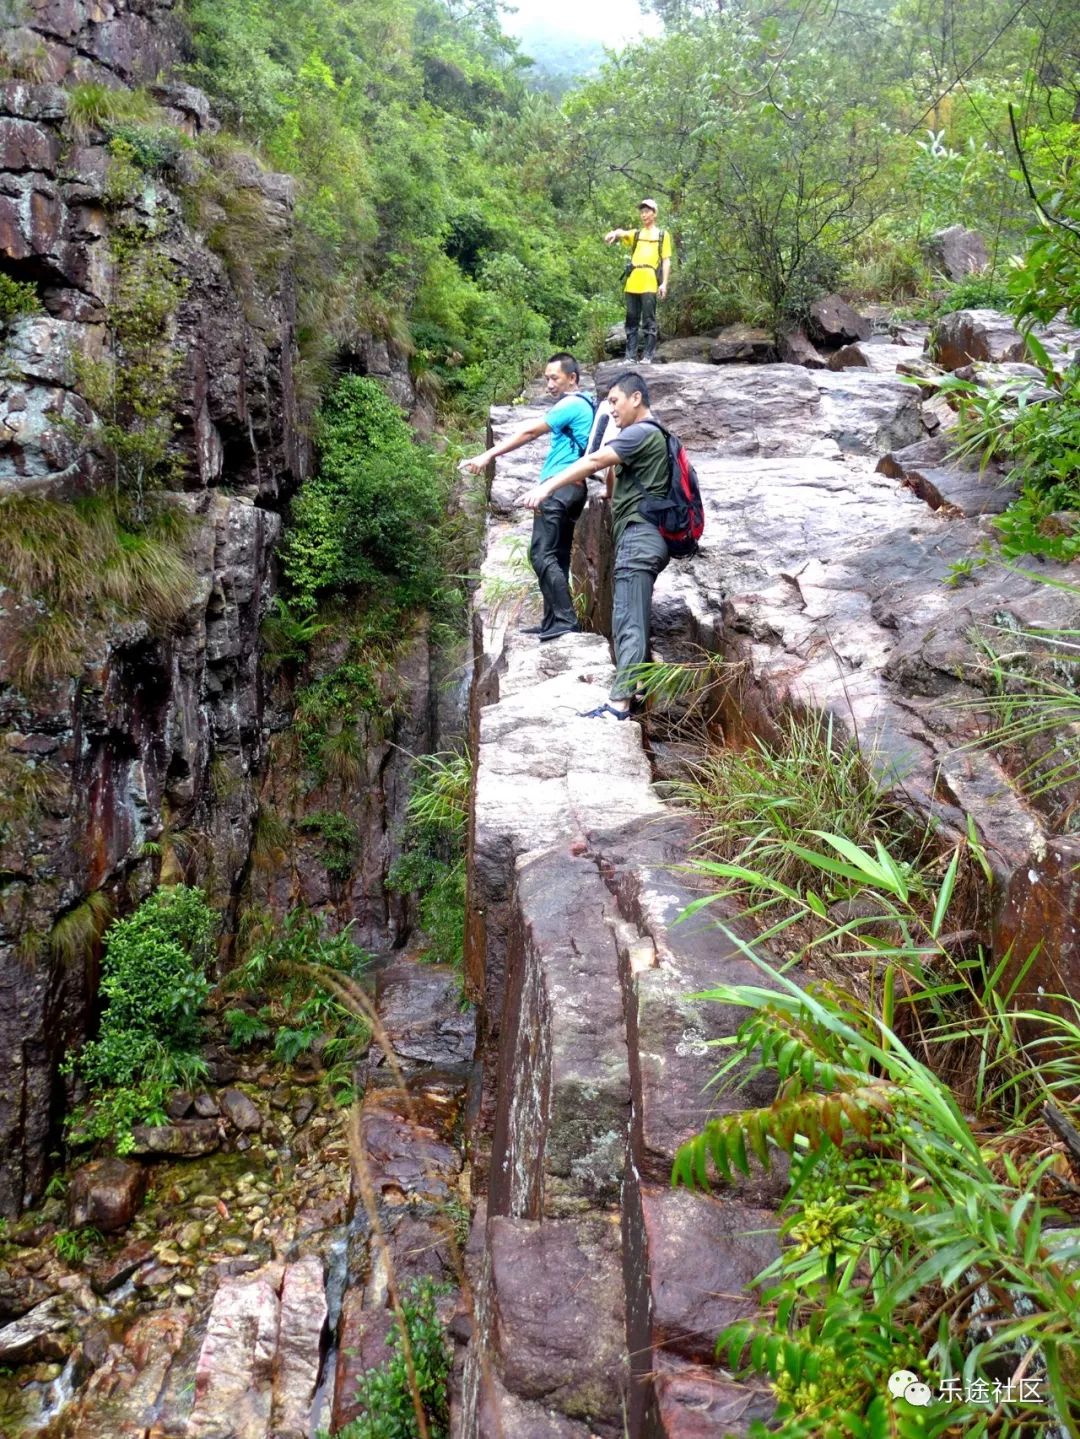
(154, 983)
(17, 298)
(386, 1392)
(913, 1241)
(304, 981)
(368, 515)
(981, 292)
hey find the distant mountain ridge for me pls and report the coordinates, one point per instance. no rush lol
(559, 59)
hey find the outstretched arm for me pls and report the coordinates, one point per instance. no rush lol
(533, 431)
(575, 474)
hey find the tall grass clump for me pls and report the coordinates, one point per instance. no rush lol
(432, 865)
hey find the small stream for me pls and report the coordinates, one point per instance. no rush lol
(218, 1228)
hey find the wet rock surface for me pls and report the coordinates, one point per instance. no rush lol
(250, 1291)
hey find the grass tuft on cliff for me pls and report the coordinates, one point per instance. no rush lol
(80, 560)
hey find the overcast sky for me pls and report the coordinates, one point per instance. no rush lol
(611, 21)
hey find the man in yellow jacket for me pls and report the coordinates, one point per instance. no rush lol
(646, 278)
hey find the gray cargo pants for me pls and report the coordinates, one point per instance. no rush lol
(641, 554)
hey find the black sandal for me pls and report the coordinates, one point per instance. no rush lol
(604, 709)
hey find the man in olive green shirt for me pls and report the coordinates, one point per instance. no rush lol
(637, 463)
(647, 279)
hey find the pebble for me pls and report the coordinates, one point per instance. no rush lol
(234, 1247)
(168, 1256)
(183, 1291)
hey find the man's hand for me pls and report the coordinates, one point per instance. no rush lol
(478, 464)
(612, 236)
(534, 498)
(663, 291)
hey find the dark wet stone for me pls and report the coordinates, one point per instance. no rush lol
(701, 1255)
(303, 1112)
(242, 1113)
(693, 1403)
(106, 1194)
(179, 1105)
(113, 1272)
(968, 335)
(186, 1139)
(834, 322)
(420, 1010)
(19, 1293)
(206, 1106)
(558, 1342)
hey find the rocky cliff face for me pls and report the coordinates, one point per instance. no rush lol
(149, 750)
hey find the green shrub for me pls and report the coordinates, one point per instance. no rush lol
(980, 292)
(386, 1393)
(17, 298)
(369, 514)
(432, 864)
(915, 1241)
(340, 840)
(94, 106)
(154, 984)
(305, 980)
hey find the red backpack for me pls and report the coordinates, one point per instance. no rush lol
(679, 515)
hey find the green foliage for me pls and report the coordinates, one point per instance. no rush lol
(287, 636)
(1048, 280)
(73, 1245)
(154, 984)
(75, 933)
(94, 106)
(368, 515)
(388, 1393)
(432, 864)
(899, 1218)
(85, 561)
(340, 840)
(247, 1028)
(301, 983)
(1038, 429)
(133, 390)
(980, 292)
(17, 298)
(764, 803)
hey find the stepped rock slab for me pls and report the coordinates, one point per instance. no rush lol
(557, 1315)
(561, 1126)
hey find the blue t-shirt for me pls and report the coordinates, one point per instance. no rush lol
(570, 421)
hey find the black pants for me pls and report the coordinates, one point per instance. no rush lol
(640, 313)
(549, 552)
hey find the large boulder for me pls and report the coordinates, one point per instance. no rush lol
(747, 343)
(956, 252)
(833, 322)
(797, 349)
(968, 335)
(106, 1194)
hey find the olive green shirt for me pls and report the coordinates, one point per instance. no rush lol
(642, 449)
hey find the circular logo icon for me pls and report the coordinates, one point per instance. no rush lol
(918, 1394)
(899, 1380)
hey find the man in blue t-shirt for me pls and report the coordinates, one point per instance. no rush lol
(569, 421)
